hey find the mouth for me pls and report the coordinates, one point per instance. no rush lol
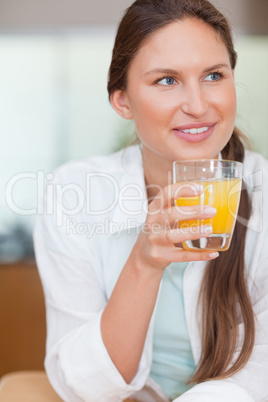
(195, 132)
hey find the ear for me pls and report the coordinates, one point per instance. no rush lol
(120, 103)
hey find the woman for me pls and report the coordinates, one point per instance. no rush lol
(123, 311)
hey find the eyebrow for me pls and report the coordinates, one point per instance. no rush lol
(170, 71)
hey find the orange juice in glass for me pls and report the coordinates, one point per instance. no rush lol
(221, 181)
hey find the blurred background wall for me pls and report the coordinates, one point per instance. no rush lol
(54, 57)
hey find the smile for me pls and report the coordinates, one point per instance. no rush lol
(196, 130)
(195, 133)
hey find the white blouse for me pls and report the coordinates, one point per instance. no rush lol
(93, 212)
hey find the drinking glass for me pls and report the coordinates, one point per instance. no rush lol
(221, 181)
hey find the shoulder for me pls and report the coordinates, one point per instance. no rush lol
(255, 174)
(114, 165)
(255, 177)
(255, 162)
(93, 187)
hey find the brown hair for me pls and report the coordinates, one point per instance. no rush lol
(224, 282)
(144, 17)
(224, 285)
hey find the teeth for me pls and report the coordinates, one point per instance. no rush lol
(196, 130)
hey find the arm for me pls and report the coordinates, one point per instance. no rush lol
(84, 358)
(77, 362)
(127, 315)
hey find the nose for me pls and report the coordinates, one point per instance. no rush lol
(193, 100)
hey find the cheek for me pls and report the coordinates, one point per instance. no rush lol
(224, 102)
(228, 102)
(151, 111)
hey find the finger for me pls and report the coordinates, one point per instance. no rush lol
(192, 212)
(175, 236)
(170, 218)
(165, 198)
(179, 255)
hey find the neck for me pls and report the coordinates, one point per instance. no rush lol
(157, 172)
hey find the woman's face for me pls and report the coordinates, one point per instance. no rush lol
(181, 93)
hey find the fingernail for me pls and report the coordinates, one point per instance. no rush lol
(209, 210)
(206, 229)
(214, 255)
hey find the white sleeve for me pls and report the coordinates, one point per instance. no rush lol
(216, 391)
(77, 362)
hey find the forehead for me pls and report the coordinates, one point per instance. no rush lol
(190, 38)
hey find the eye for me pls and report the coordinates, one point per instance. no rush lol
(167, 81)
(213, 76)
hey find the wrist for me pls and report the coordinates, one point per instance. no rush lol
(143, 269)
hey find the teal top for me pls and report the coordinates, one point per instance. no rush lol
(173, 363)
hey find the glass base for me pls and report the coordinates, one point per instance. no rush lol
(214, 242)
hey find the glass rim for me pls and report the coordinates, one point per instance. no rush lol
(205, 160)
(195, 167)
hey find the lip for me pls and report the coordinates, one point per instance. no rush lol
(195, 125)
(194, 138)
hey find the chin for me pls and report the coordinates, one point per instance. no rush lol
(197, 156)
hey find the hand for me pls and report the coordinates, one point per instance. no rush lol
(156, 246)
